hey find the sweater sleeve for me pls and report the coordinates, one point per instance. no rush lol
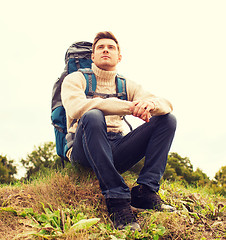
(76, 104)
(136, 92)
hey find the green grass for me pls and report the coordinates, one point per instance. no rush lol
(69, 205)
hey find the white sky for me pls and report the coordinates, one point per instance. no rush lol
(175, 49)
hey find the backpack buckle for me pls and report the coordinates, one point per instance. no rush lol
(90, 93)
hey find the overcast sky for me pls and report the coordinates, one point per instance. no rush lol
(175, 49)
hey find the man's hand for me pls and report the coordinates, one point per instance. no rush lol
(142, 109)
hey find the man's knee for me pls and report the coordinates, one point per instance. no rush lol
(171, 121)
(167, 121)
(94, 118)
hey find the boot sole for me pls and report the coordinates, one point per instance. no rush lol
(133, 226)
(164, 207)
(134, 209)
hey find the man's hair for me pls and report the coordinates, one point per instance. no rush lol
(104, 35)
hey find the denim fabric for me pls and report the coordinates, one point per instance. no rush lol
(110, 154)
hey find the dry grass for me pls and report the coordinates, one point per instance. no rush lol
(199, 214)
(58, 189)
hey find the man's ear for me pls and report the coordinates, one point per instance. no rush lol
(119, 58)
(92, 56)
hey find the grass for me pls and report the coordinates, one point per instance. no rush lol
(49, 206)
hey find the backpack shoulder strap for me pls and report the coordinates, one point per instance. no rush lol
(91, 82)
(121, 87)
(122, 94)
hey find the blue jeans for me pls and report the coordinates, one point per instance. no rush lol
(110, 154)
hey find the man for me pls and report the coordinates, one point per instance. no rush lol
(99, 142)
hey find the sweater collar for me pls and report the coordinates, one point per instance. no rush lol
(108, 76)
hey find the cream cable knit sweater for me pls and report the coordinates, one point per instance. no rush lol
(76, 104)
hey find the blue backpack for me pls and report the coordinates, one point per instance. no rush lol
(77, 58)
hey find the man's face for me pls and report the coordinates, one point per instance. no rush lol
(106, 55)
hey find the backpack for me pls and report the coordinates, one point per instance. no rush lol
(77, 58)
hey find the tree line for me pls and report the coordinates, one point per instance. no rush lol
(44, 157)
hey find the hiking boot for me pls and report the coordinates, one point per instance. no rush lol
(143, 198)
(121, 214)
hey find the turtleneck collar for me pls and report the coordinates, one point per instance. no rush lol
(104, 76)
